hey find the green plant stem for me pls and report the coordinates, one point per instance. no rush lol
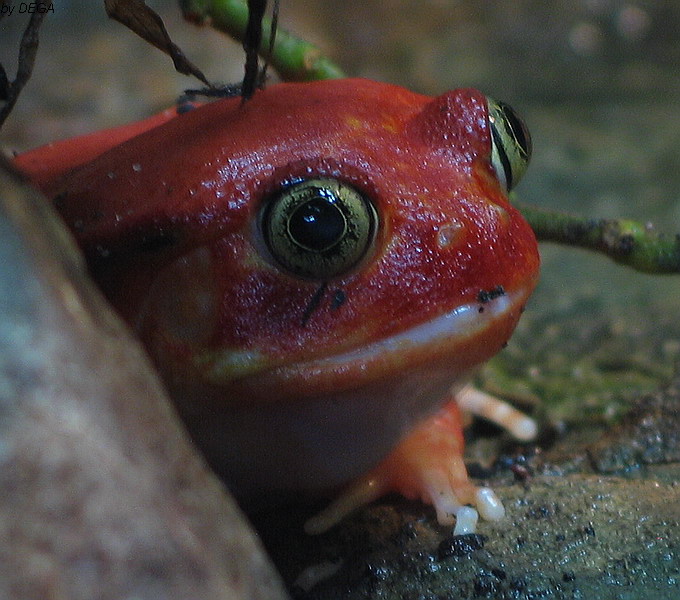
(627, 242)
(293, 58)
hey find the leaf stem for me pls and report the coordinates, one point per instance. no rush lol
(295, 59)
(627, 242)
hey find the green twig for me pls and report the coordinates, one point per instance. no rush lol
(627, 242)
(293, 58)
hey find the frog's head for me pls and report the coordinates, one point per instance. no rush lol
(319, 239)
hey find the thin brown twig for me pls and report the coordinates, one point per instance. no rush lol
(27, 51)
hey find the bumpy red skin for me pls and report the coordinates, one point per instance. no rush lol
(199, 181)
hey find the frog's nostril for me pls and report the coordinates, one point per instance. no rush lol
(450, 234)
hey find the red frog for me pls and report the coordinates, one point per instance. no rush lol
(313, 272)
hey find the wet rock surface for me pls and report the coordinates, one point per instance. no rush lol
(648, 435)
(103, 495)
(568, 536)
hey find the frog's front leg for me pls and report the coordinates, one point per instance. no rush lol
(480, 404)
(428, 465)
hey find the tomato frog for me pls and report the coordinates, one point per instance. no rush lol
(316, 273)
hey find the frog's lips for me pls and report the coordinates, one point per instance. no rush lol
(461, 322)
(460, 338)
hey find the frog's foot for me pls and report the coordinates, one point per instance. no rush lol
(502, 414)
(427, 465)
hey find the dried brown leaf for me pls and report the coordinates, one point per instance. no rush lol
(144, 21)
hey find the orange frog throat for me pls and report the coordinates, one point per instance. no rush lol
(282, 399)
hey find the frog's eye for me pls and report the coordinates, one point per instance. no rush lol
(318, 228)
(510, 144)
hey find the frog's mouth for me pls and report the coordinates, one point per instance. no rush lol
(262, 426)
(176, 329)
(460, 322)
(459, 339)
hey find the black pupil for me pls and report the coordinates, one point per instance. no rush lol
(318, 224)
(518, 129)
